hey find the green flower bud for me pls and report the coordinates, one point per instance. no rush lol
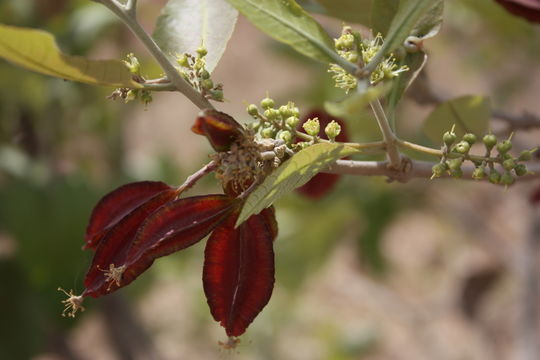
(267, 103)
(509, 164)
(207, 84)
(490, 141)
(312, 127)
(352, 56)
(252, 109)
(521, 170)
(268, 133)
(285, 111)
(271, 114)
(462, 147)
(183, 61)
(470, 138)
(133, 64)
(455, 164)
(131, 95)
(332, 130)
(217, 94)
(202, 52)
(205, 75)
(292, 122)
(504, 147)
(449, 138)
(494, 177)
(285, 136)
(438, 169)
(507, 179)
(347, 40)
(525, 155)
(479, 173)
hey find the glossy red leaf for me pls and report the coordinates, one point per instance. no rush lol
(219, 128)
(238, 274)
(527, 9)
(270, 216)
(114, 206)
(112, 249)
(322, 183)
(176, 226)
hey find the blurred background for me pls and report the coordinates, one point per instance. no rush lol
(441, 269)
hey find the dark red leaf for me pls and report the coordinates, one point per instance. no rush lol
(528, 9)
(238, 274)
(535, 197)
(178, 225)
(114, 206)
(219, 128)
(322, 183)
(270, 216)
(112, 250)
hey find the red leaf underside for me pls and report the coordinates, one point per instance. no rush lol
(238, 274)
(528, 9)
(219, 128)
(116, 205)
(178, 225)
(112, 249)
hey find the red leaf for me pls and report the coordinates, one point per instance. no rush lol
(114, 206)
(176, 226)
(321, 184)
(112, 250)
(238, 274)
(219, 128)
(528, 9)
(270, 216)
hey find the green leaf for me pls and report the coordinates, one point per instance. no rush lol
(354, 11)
(430, 23)
(286, 21)
(186, 25)
(469, 113)
(293, 173)
(357, 102)
(36, 50)
(405, 20)
(381, 16)
(415, 62)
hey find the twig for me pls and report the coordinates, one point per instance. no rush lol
(192, 179)
(413, 169)
(127, 14)
(388, 135)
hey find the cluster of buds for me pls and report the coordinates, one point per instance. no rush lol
(127, 94)
(193, 70)
(386, 69)
(456, 153)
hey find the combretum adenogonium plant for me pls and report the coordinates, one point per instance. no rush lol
(278, 151)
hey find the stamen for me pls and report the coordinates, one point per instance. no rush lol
(72, 304)
(113, 275)
(231, 343)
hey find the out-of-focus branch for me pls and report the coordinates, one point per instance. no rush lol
(422, 92)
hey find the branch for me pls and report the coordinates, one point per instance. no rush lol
(126, 13)
(388, 135)
(409, 170)
(192, 179)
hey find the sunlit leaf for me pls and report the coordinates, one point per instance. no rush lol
(293, 173)
(238, 273)
(286, 21)
(469, 113)
(430, 22)
(36, 50)
(186, 25)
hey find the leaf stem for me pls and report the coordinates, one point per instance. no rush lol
(192, 179)
(127, 14)
(389, 137)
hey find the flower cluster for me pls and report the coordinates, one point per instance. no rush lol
(456, 153)
(193, 70)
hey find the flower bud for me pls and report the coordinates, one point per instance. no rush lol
(202, 52)
(494, 177)
(525, 155)
(207, 84)
(507, 179)
(458, 173)
(292, 122)
(183, 61)
(268, 133)
(312, 127)
(462, 147)
(252, 109)
(504, 147)
(509, 164)
(490, 141)
(285, 111)
(286, 136)
(455, 164)
(438, 169)
(267, 103)
(332, 130)
(271, 114)
(217, 94)
(449, 138)
(470, 138)
(479, 173)
(521, 170)
(205, 75)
